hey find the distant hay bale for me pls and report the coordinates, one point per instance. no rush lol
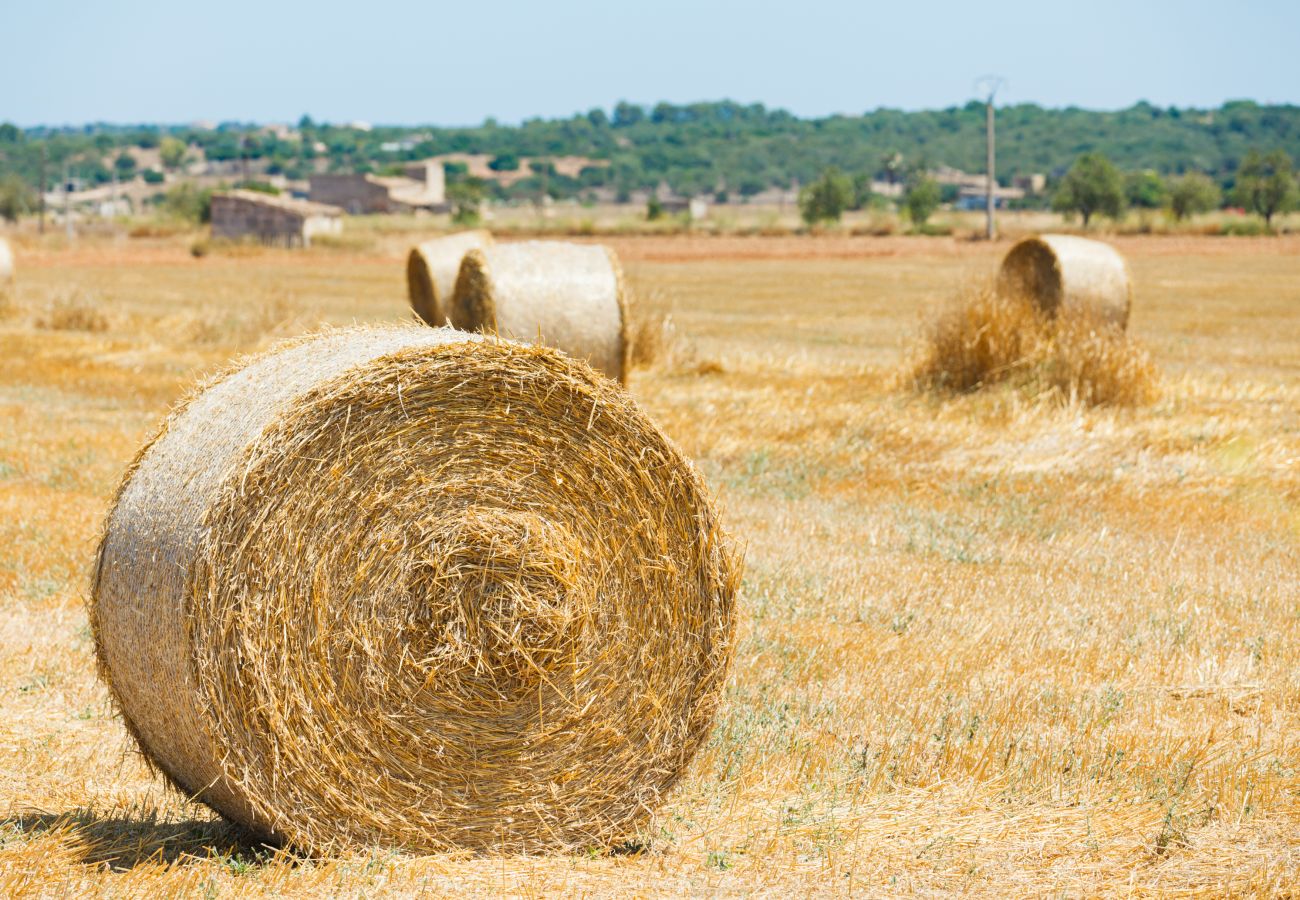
(417, 589)
(568, 296)
(6, 261)
(1058, 270)
(431, 270)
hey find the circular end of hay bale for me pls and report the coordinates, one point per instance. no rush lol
(431, 270)
(6, 261)
(564, 295)
(421, 289)
(472, 307)
(417, 589)
(1059, 271)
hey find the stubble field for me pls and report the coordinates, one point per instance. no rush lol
(990, 643)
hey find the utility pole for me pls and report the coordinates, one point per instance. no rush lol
(67, 202)
(989, 85)
(42, 219)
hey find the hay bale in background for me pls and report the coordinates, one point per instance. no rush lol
(6, 261)
(1058, 270)
(412, 588)
(569, 296)
(431, 270)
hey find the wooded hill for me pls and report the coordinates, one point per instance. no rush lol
(709, 147)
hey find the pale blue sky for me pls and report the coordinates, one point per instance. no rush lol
(415, 62)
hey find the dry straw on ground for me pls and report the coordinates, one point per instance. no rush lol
(569, 296)
(419, 589)
(431, 270)
(987, 337)
(1061, 272)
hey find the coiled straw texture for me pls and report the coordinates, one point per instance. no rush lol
(431, 270)
(420, 589)
(1054, 270)
(563, 295)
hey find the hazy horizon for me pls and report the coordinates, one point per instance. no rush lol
(150, 63)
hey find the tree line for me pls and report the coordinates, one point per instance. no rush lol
(724, 149)
(1264, 184)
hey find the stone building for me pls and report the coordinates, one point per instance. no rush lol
(422, 186)
(272, 219)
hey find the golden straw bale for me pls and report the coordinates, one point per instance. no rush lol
(416, 588)
(1057, 270)
(6, 261)
(568, 296)
(431, 272)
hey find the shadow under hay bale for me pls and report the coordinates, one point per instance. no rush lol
(431, 270)
(415, 588)
(1060, 272)
(985, 337)
(563, 295)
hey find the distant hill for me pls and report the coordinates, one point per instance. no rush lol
(700, 147)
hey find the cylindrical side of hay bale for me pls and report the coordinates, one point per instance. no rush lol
(412, 588)
(1060, 270)
(431, 270)
(6, 261)
(563, 295)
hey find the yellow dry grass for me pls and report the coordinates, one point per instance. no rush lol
(984, 338)
(988, 644)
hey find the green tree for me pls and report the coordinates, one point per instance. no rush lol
(654, 210)
(1266, 184)
(172, 152)
(861, 191)
(187, 201)
(16, 197)
(124, 165)
(921, 197)
(466, 199)
(506, 162)
(826, 198)
(1193, 193)
(1145, 190)
(1093, 185)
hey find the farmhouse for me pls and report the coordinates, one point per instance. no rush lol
(421, 186)
(272, 219)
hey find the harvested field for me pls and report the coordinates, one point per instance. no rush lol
(985, 644)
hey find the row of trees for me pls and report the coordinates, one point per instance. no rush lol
(1265, 184)
(701, 147)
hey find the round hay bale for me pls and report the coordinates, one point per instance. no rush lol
(420, 589)
(6, 261)
(563, 295)
(1059, 270)
(431, 272)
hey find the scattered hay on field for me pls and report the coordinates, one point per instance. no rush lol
(431, 270)
(986, 337)
(653, 335)
(563, 295)
(1061, 272)
(281, 316)
(72, 311)
(420, 589)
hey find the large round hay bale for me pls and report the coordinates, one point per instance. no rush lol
(1060, 270)
(431, 270)
(569, 296)
(414, 588)
(6, 261)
